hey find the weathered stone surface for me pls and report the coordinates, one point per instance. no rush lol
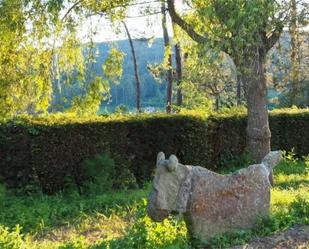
(211, 203)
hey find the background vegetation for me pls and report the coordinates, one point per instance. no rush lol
(51, 152)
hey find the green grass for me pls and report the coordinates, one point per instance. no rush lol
(119, 220)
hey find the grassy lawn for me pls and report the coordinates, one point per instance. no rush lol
(119, 220)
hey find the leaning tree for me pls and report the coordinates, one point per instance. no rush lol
(246, 31)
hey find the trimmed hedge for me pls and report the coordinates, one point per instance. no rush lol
(53, 150)
(50, 151)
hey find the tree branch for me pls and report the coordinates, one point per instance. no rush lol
(70, 9)
(112, 7)
(183, 24)
(273, 38)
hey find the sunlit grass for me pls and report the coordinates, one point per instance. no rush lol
(119, 220)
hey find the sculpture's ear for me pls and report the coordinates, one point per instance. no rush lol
(160, 158)
(272, 159)
(172, 163)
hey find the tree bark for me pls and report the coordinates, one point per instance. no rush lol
(169, 90)
(137, 80)
(258, 132)
(178, 73)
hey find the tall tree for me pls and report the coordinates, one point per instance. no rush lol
(294, 58)
(168, 58)
(178, 59)
(246, 30)
(137, 80)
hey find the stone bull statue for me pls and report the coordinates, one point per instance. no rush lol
(211, 203)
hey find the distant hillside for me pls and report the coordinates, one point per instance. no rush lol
(123, 93)
(152, 92)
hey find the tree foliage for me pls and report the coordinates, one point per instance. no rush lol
(40, 50)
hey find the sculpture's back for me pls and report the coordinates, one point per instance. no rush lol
(220, 204)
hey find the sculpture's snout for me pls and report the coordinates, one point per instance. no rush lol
(154, 212)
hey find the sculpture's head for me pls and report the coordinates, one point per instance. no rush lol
(164, 197)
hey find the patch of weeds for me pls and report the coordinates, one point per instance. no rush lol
(144, 233)
(105, 175)
(10, 238)
(290, 165)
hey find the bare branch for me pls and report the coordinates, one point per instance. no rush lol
(70, 9)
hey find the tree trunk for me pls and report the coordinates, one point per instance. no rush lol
(169, 90)
(240, 79)
(178, 73)
(138, 83)
(294, 59)
(258, 132)
(253, 60)
(307, 97)
(238, 93)
(217, 106)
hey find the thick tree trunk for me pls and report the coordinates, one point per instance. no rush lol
(258, 132)
(169, 90)
(138, 83)
(178, 73)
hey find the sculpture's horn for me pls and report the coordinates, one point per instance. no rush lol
(160, 158)
(172, 163)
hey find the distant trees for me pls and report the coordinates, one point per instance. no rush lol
(45, 67)
(27, 55)
(210, 75)
(40, 52)
(168, 60)
(280, 70)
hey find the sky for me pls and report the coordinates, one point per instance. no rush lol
(145, 27)
(139, 27)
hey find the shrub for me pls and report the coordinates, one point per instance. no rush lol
(49, 151)
(104, 176)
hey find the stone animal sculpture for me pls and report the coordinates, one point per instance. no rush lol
(211, 203)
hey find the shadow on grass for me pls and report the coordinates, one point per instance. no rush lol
(41, 214)
(292, 184)
(138, 235)
(291, 168)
